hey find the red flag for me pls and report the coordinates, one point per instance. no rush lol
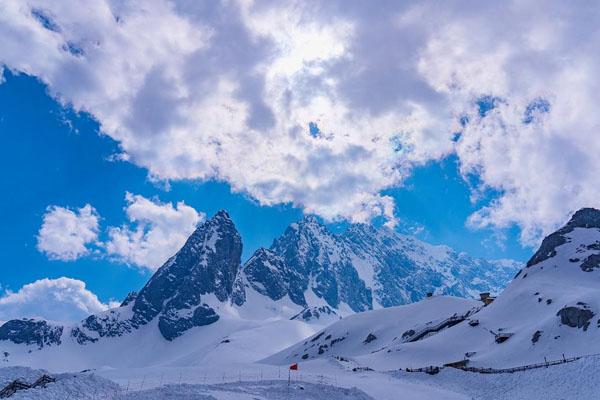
(294, 367)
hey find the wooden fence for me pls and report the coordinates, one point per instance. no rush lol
(481, 370)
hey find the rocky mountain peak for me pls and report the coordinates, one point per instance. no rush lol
(363, 232)
(223, 216)
(583, 218)
(309, 226)
(310, 219)
(208, 262)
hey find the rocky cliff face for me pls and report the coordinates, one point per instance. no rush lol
(31, 332)
(208, 263)
(367, 267)
(404, 269)
(308, 257)
(176, 295)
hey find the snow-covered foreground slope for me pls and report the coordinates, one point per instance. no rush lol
(231, 339)
(379, 330)
(316, 379)
(550, 309)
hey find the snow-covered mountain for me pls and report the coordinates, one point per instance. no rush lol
(367, 267)
(549, 311)
(210, 306)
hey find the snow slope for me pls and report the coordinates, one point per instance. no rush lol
(375, 331)
(550, 309)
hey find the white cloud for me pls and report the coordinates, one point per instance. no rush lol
(62, 299)
(65, 234)
(538, 147)
(226, 90)
(154, 233)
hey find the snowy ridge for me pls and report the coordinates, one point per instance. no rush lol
(368, 268)
(550, 310)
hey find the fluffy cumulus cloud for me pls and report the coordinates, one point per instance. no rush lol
(66, 234)
(154, 232)
(327, 104)
(62, 299)
(525, 95)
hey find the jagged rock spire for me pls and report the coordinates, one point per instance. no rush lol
(208, 262)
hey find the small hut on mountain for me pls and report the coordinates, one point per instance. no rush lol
(486, 298)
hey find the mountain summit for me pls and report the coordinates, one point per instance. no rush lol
(208, 263)
(367, 267)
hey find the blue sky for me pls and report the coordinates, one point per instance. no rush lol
(53, 156)
(125, 126)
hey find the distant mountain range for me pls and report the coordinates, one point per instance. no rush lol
(308, 275)
(366, 267)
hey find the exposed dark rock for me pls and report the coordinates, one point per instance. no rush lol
(408, 334)
(536, 336)
(575, 317)
(584, 218)
(30, 331)
(313, 313)
(413, 335)
(172, 324)
(317, 337)
(433, 370)
(209, 262)
(108, 324)
(81, 337)
(323, 348)
(268, 274)
(590, 263)
(337, 340)
(593, 246)
(370, 337)
(503, 337)
(549, 301)
(131, 296)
